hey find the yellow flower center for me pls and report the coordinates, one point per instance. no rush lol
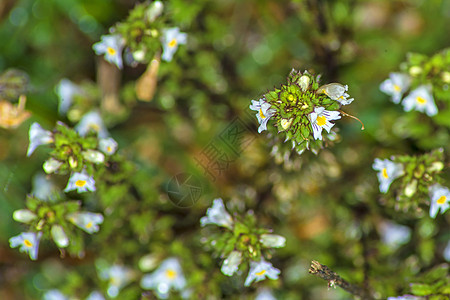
(111, 51)
(321, 120)
(80, 183)
(171, 274)
(27, 243)
(172, 43)
(421, 100)
(261, 114)
(441, 200)
(89, 225)
(384, 173)
(397, 88)
(109, 149)
(260, 273)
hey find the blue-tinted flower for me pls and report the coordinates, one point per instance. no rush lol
(59, 236)
(107, 146)
(81, 182)
(111, 46)
(231, 263)
(395, 86)
(54, 295)
(404, 297)
(394, 235)
(388, 172)
(440, 199)
(337, 92)
(218, 215)
(24, 216)
(43, 188)
(38, 136)
(264, 112)
(28, 242)
(259, 270)
(86, 221)
(320, 119)
(264, 294)
(446, 253)
(421, 99)
(170, 39)
(168, 276)
(272, 240)
(95, 295)
(118, 277)
(92, 122)
(66, 90)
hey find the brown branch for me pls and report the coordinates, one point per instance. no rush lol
(334, 279)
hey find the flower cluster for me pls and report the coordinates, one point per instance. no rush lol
(302, 110)
(242, 240)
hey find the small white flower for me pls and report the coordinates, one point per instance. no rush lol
(168, 276)
(66, 90)
(421, 99)
(93, 156)
(118, 276)
(155, 10)
(38, 136)
(95, 295)
(337, 92)
(394, 235)
(111, 46)
(54, 295)
(404, 297)
(320, 119)
(43, 188)
(395, 86)
(59, 236)
(446, 253)
(51, 165)
(81, 182)
(24, 216)
(218, 215)
(388, 172)
(273, 240)
(259, 270)
(440, 199)
(231, 263)
(86, 221)
(264, 112)
(170, 39)
(92, 121)
(264, 294)
(28, 242)
(107, 146)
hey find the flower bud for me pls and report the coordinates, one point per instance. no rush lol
(286, 123)
(24, 216)
(272, 240)
(411, 188)
(415, 70)
(445, 77)
(304, 82)
(148, 262)
(231, 263)
(73, 163)
(93, 156)
(155, 10)
(437, 166)
(51, 165)
(59, 236)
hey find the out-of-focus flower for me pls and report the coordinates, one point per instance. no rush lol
(170, 39)
(168, 276)
(440, 199)
(388, 172)
(446, 253)
(38, 136)
(259, 270)
(395, 86)
(54, 295)
(111, 46)
(394, 235)
(421, 99)
(24, 216)
(93, 156)
(107, 146)
(264, 112)
(86, 221)
(404, 297)
(337, 92)
(92, 121)
(81, 182)
(118, 276)
(231, 263)
(59, 236)
(95, 295)
(28, 242)
(51, 165)
(264, 294)
(272, 240)
(218, 215)
(12, 116)
(66, 90)
(43, 188)
(320, 119)
(155, 10)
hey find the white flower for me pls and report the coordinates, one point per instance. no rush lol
(264, 112)
(95, 295)
(231, 263)
(272, 240)
(111, 46)
(395, 86)
(393, 234)
(118, 276)
(259, 270)
(169, 275)
(440, 199)
(320, 119)
(170, 39)
(59, 236)
(265, 294)
(155, 10)
(43, 188)
(337, 92)
(421, 99)
(24, 216)
(38, 136)
(107, 146)
(92, 121)
(404, 297)
(446, 253)
(51, 165)
(54, 295)
(28, 242)
(86, 221)
(388, 172)
(93, 156)
(218, 215)
(66, 90)
(81, 182)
